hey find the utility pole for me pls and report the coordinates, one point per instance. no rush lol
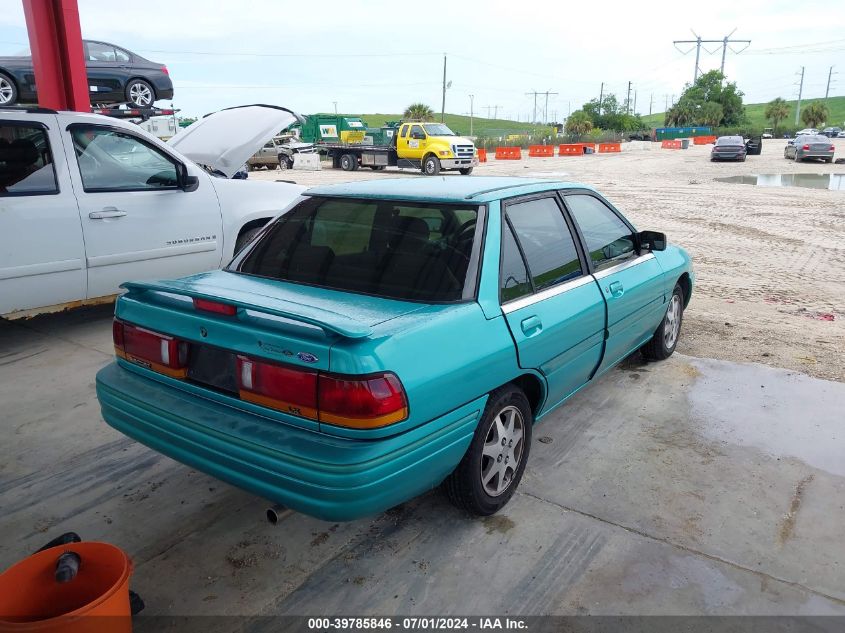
(546, 109)
(535, 93)
(827, 90)
(628, 100)
(443, 105)
(698, 42)
(650, 103)
(800, 91)
(601, 96)
(666, 103)
(471, 97)
(335, 106)
(635, 103)
(495, 112)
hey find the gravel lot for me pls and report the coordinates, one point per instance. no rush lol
(770, 262)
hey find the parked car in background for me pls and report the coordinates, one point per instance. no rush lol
(831, 132)
(267, 157)
(88, 201)
(807, 131)
(387, 336)
(809, 146)
(115, 75)
(841, 134)
(729, 148)
(767, 133)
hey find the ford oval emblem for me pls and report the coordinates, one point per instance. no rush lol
(305, 357)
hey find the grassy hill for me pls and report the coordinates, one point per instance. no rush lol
(757, 120)
(460, 124)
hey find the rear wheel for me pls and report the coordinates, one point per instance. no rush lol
(431, 165)
(349, 162)
(466, 171)
(8, 90)
(492, 467)
(139, 93)
(665, 339)
(797, 158)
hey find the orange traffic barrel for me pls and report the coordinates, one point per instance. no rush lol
(95, 600)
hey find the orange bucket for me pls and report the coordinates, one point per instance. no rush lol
(95, 601)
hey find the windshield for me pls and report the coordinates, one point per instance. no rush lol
(393, 249)
(438, 129)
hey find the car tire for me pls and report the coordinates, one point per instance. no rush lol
(431, 165)
(8, 90)
(285, 163)
(466, 171)
(349, 162)
(377, 167)
(507, 410)
(665, 339)
(140, 94)
(797, 158)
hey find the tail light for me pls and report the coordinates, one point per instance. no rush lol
(806, 147)
(165, 71)
(360, 402)
(832, 147)
(215, 306)
(159, 352)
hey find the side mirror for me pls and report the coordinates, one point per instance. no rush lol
(652, 241)
(188, 183)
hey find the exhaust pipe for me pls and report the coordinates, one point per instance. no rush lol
(277, 512)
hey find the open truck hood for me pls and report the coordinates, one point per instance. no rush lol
(225, 140)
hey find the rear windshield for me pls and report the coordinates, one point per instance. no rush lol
(399, 250)
(730, 140)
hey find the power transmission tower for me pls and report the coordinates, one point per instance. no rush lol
(495, 112)
(535, 93)
(546, 108)
(698, 42)
(601, 96)
(830, 74)
(800, 90)
(495, 109)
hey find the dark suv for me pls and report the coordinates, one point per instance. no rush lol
(115, 75)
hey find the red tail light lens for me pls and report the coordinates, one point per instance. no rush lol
(149, 349)
(286, 389)
(832, 147)
(362, 402)
(806, 147)
(216, 307)
(165, 71)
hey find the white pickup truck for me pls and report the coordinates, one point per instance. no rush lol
(88, 202)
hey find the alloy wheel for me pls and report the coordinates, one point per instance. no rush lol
(6, 91)
(140, 94)
(503, 450)
(672, 325)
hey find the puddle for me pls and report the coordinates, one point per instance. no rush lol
(834, 182)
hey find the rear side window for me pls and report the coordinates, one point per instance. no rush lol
(514, 282)
(393, 249)
(609, 240)
(546, 241)
(26, 163)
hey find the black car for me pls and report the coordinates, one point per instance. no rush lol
(115, 75)
(729, 148)
(831, 132)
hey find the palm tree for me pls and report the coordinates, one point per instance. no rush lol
(578, 123)
(814, 114)
(777, 110)
(711, 113)
(419, 112)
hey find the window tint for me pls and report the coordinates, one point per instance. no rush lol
(546, 241)
(100, 52)
(386, 248)
(609, 240)
(26, 164)
(121, 55)
(514, 281)
(113, 161)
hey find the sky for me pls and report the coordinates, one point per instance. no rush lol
(380, 56)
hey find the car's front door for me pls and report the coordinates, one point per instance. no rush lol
(553, 306)
(107, 67)
(417, 141)
(42, 255)
(137, 221)
(632, 282)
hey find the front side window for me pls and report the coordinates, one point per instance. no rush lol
(26, 163)
(438, 129)
(110, 160)
(609, 240)
(393, 249)
(546, 241)
(417, 132)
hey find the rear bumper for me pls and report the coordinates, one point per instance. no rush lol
(728, 155)
(812, 154)
(332, 478)
(458, 163)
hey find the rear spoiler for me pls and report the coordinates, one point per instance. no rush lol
(323, 319)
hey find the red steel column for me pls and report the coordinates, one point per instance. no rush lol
(55, 39)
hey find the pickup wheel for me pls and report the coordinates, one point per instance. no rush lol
(431, 165)
(349, 162)
(466, 171)
(492, 467)
(665, 339)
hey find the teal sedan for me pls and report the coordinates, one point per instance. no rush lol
(382, 338)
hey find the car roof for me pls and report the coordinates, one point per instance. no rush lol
(443, 188)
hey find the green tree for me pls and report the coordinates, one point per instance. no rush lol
(419, 112)
(710, 87)
(814, 114)
(681, 114)
(777, 110)
(578, 123)
(710, 113)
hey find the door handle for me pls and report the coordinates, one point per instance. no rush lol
(106, 213)
(532, 325)
(616, 289)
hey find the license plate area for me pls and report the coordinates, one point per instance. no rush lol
(213, 367)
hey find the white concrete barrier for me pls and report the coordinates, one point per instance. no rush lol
(307, 162)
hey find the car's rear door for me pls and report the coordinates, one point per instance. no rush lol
(42, 254)
(553, 306)
(632, 283)
(137, 222)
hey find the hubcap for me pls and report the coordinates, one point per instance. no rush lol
(5, 91)
(503, 449)
(672, 324)
(429, 166)
(140, 95)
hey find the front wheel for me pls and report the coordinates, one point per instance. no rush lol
(665, 339)
(285, 163)
(466, 171)
(431, 166)
(487, 476)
